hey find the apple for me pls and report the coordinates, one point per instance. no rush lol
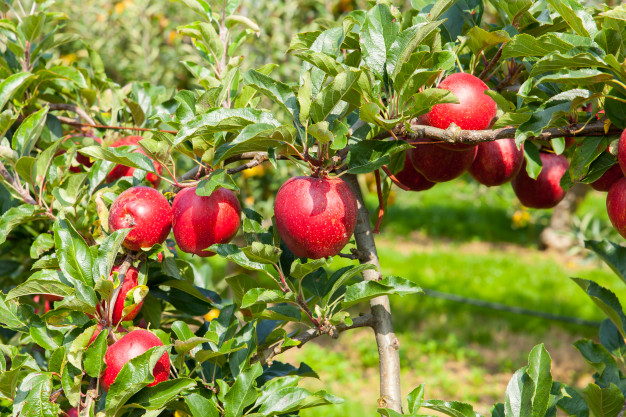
(120, 171)
(621, 151)
(545, 191)
(607, 179)
(130, 282)
(128, 347)
(201, 221)
(496, 162)
(474, 111)
(616, 206)
(72, 412)
(82, 159)
(315, 217)
(146, 211)
(439, 164)
(411, 178)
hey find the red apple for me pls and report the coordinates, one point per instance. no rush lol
(496, 162)
(410, 178)
(199, 222)
(82, 159)
(130, 282)
(616, 205)
(607, 179)
(439, 164)
(475, 109)
(128, 347)
(72, 412)
(621, 151)
(120, 171)
(146, 211)
(545, 191)
(315, 217)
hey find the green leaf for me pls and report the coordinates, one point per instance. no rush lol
(255, 137)
(616, 109)
(134, 375)
(15, 216)
(341, 277)
(33, 398)
(451, 408)
(405, 44)
(371, 113)
(369, 155)
(243, 392)
(15, 316)
(262, 253)
(43, 243)
(276, 91)
(538, 370)
(157, 397)
(32, 25)
(107, 252)
(557, 61)
(320, 60)
(262, 296)
(202, 405)
(12, 84)
(423, 101)
(223, 120)
(575, 16)
(366, 290)
(299, 270)
(321, 132)
(218, 178)
(377, 35)
(28, 133)
(611, 253)
(235, 254)
(292, 399)
(75, 258)
(62, 73)
(94, 356)
(415, 399)
(606, 300)
(605, 402)
(42, 282)
(120, 156)
(480, 39)
(305, 98)
(332, 94)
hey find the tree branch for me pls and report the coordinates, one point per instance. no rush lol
(491, 63)
(75, 109)
(23, 192)
(267, 354)
(454, 134)
(388, 344)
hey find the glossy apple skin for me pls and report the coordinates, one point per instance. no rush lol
(475, 109)
(201, 221)
(128, 347)
(496, 162)
(545, 191)
(130, 282)
(439, 164)
(616, 206)
(607, 179)
(146, 211)
(621, 151)
(315, 217)
(120, 171)
(411, 178)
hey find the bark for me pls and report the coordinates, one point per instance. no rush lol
(388, 344)
(558, 235)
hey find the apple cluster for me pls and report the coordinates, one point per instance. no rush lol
(490, 163)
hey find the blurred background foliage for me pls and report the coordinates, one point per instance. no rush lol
(460, 237)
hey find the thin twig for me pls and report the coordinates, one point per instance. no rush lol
(492, 63)
(75, 109)
(267, 354)
(72, 122)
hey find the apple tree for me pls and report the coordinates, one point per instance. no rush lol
(113, 197)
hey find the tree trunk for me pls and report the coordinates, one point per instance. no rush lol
(388, 343)
(558, 235)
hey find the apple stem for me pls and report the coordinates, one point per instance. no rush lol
(394, 179)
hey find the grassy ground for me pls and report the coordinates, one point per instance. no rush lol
(475, 242)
